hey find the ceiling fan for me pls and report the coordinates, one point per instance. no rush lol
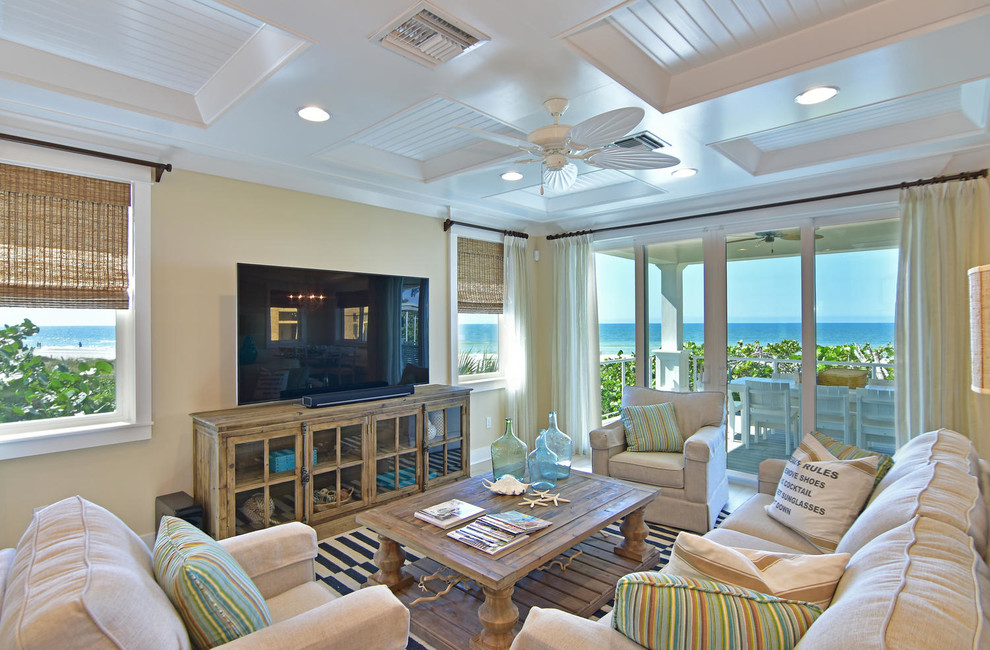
(592, 141)
(770, 236)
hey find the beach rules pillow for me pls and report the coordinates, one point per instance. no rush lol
(819, 496)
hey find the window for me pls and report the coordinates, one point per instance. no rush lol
(478, 294)
(73, 304)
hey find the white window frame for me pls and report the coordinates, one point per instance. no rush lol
(131, 421)
(489, 380)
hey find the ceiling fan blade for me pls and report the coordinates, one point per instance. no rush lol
(795, 235)
(559, 179)
(621, 158)
(605, 128)
(501, 138)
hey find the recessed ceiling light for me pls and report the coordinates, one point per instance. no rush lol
(313, 114)
(816, 95)
(684, 172)
(512, 176)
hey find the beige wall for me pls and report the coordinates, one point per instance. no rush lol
(201, 227)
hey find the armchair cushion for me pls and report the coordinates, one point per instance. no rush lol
(215, 597)
(662, 611)
(277, 558)
(651, 428)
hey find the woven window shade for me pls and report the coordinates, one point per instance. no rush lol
(480, 278)
(63, 240)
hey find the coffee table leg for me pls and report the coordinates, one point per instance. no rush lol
(499, 616)
(389, 559)
(634, 531)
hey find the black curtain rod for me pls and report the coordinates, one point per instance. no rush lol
(160, 168)
(965, 176)
(511, 233)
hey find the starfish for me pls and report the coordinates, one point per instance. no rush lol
(544, 498)
(532, 502)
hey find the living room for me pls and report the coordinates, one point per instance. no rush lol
(216, 209)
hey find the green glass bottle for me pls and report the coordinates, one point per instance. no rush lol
(509, 455)
(560, 444)
(542, 465)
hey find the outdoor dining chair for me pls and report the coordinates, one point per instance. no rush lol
(769, 409)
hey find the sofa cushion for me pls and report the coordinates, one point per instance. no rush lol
(843, 451)
(80, 578)
(810, 578)
(751, 519)
(215, 598)
(301, 598)
(651, 428)
(917, 586)
(819, 495)
(664, 469)
(663, 611)
(694, 410)
(940, 490)
(943, 444)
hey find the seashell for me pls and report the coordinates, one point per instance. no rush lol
(508, 484)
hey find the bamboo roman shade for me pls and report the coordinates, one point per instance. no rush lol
(63, 240)
(480, 276)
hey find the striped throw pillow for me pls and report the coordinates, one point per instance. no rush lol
(842, 451)
(651, 428)
(662, 611)
(810, 578)
(218, 602)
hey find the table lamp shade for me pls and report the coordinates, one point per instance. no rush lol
(979, 326)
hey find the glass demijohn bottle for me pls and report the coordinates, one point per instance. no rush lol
(542, 465)
(509, 455)
(560, 444)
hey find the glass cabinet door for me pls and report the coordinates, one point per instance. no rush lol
(265, 478)
(444, 442)
(336, 478)
(397, 467)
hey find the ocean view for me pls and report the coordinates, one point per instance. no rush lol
(74, 341)
(614, 337)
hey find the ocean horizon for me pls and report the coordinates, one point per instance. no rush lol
(621, 337)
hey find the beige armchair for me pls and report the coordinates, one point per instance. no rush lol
(694, 483)
(80, 578)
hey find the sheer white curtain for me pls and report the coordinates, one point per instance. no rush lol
(574, 362)
(945, 230)
(517, 325)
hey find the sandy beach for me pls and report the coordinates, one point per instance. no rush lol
(70, 352)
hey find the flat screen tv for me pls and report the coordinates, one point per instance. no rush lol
(308, 332)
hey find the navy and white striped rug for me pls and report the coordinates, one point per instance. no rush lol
(345, 561)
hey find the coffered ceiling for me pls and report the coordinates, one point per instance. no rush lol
(214, 87)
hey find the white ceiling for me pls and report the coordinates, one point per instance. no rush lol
(213, 87)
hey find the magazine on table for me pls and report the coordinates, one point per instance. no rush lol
(487, 538)
(515, 522)
(449, 513)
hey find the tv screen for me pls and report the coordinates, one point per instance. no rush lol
(311, 331)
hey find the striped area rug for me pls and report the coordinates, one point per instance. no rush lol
(346, 560)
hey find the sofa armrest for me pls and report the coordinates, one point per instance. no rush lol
(276, 558)
(706, 444)
(550, 629)
(606, 442)
(367, 618)
(771, 470)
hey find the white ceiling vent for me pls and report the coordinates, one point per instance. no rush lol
(643, 139)
(429, 37)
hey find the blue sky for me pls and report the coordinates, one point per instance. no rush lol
(856, 286)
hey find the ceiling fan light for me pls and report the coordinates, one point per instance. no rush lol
(816, 95)
(512, 176)
(684, 172)
(313, 114)
(558, 180)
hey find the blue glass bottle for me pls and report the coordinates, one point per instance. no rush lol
(560, 444)
(509, 455)
(542, 465)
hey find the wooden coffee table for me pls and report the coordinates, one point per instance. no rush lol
(582, 588)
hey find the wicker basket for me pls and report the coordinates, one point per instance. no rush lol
(326, 498)
(843, 377)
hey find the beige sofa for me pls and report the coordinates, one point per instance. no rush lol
(80, 578)
(917, 577)
(695, 485)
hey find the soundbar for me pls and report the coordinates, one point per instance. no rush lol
(356, 395)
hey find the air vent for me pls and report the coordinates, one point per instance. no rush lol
(426, 36)
(643, 139)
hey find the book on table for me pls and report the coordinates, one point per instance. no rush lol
(496, 533)
(449, 513)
